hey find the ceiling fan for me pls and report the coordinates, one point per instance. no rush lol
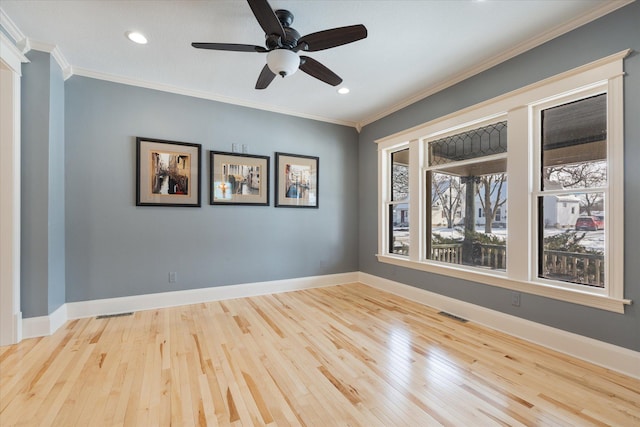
(283, 44)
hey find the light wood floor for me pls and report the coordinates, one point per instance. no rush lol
(337, 356)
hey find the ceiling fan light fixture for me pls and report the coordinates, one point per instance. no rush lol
(283, 62)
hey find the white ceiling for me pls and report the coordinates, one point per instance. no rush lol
(413, 48)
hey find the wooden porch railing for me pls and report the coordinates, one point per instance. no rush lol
(451, 253)
(491, 256)
(587, 269)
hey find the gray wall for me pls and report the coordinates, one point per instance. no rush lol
(57, 247)
(42, 205)
(116, 249)
(610, 34)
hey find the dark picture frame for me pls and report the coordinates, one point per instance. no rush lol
(297, 179)
(167, 173)
(238, 179)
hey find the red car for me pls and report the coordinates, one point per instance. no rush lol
(591, 223)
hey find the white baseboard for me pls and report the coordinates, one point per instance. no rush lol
(33, 327)
(77, 310)
(46, 325)
(600, 353)
(607, 355)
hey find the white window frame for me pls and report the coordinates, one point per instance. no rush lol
(388, 198)
(442, 168)
(611, 262)
(518, 107)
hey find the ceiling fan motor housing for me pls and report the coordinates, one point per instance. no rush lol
(291, 36)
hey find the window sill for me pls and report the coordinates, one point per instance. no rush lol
(583, 298)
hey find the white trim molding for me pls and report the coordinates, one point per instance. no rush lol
(11, 55)
(600, 353)
(33, 327)
(603, 354)
(84, 72)
(28, 44)
(11, 60)
(46, 325)
(10, 27)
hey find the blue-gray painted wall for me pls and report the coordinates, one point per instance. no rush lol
(116, 249)
(56, 202)
(42, 204)
(608, 35)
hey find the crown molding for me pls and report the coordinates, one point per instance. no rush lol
(598, 12)
(84, 72)
(11, 54)
(28, 44)
(10, 27)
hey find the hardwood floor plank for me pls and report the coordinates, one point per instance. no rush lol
(343, 355)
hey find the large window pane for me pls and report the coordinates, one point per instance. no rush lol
(573, 241)
(469, 218)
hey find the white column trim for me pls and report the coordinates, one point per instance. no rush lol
(10, 72)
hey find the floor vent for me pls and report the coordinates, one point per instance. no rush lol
(107, 316)
(453, 316)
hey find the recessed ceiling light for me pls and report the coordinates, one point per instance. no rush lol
(136, 37)
(343, 90)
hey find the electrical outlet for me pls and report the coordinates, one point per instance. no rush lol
(173, 276)
(515, 299)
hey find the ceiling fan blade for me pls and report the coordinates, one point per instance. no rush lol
(230, 47)
(319, 71)
(331, 38)
(266, 17)
(265, 78)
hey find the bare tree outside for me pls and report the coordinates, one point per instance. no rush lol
(492, 194)
(447, 191)
(581, 175)
(400, 180)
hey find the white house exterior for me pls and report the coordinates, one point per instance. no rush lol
(561, 211)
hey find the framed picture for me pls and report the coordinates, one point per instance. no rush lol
(168, 173)
(238, 179)
(296, 181)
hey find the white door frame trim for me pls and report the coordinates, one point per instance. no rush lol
(11, 60)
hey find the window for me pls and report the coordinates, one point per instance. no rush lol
(465, 170)
(399, 203)
(542, 214)
(573, 166)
